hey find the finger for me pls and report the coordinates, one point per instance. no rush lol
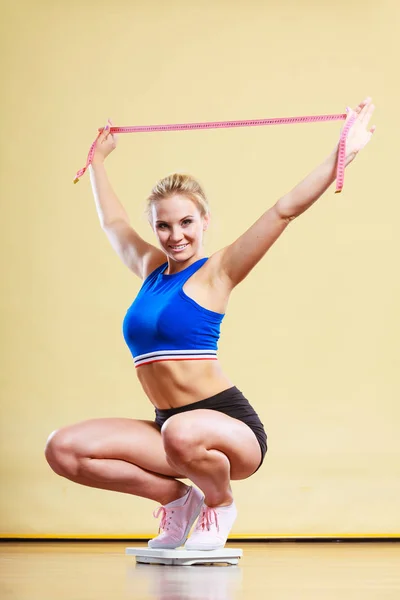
(103, 132)
(358, 108)
(367, 114)
(358, 111)
(365, 109)
(113, 135)
(350, 113)
(363, 104)
(106, 133)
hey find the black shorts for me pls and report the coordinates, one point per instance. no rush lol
(231, 402)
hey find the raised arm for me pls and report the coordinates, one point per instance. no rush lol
(237, 259)
(138, 255)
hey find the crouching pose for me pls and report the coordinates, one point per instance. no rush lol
(205, 430)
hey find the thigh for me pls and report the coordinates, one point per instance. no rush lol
(135, 441)
(217, 431)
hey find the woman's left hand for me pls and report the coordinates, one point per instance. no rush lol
(359, 135)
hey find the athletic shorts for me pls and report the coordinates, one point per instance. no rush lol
(231, 402)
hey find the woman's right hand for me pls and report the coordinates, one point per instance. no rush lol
(106, 143)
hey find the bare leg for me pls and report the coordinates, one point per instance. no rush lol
(210, 471)
(211, 449)
(122, 455)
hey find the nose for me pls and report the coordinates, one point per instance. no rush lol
(176, 235)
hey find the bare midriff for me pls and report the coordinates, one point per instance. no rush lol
(170, 384)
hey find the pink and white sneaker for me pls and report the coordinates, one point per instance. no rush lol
(213, 527)
(177, 521)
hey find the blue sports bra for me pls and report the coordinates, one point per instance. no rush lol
(163, 323)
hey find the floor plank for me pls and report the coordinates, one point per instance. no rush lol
(275, 570)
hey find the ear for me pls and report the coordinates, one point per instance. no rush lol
(206, 221)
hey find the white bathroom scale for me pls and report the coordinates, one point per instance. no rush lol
(152, 556)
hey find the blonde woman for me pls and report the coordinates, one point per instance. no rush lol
(205, 430)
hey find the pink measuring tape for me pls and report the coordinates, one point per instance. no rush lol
(227, 124)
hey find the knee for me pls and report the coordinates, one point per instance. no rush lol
(60, 453)
(179, 439)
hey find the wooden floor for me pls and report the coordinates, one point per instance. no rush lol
(271, 571)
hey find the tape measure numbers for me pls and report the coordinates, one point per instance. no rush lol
(248, 123)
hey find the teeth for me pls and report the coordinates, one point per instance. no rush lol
(178, 247)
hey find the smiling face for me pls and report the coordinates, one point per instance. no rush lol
(179, 227)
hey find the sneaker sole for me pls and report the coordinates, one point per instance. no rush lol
(205, 548)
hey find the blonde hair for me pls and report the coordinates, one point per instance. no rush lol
(178, 183)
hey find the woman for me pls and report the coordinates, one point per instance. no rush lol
(205, 430)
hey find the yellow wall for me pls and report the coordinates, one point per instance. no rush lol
(311, 337)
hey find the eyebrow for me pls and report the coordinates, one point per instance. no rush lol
(163, 221)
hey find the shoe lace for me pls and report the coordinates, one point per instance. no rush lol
(207, 518)
(165, 518)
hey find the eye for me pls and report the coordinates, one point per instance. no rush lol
(161, 225)
(187, 221)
